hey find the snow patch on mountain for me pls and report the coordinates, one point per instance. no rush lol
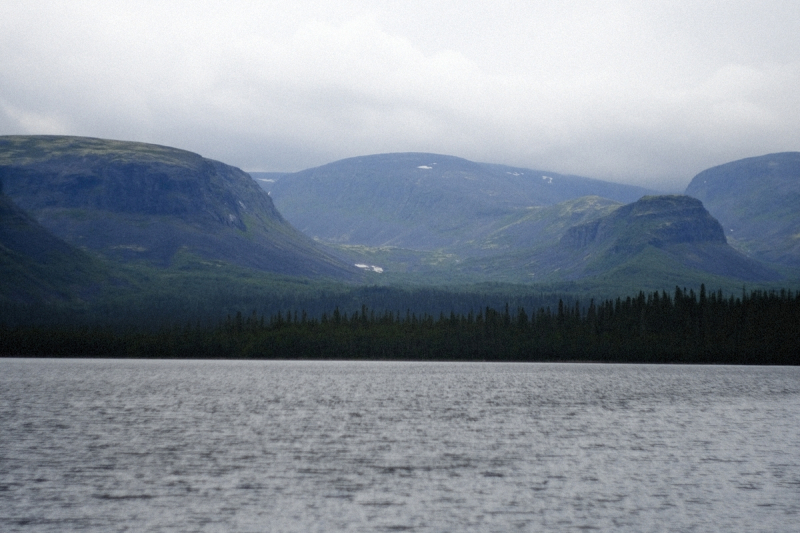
(370, 268)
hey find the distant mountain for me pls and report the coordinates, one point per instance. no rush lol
(446, 218)
(421, 201)
(757, 201)
(266, 178)
(135, 201)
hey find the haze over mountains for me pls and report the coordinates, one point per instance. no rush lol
(421, 201)
(67, 202)
(430, 214)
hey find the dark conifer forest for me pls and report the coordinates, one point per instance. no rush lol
(759, 327)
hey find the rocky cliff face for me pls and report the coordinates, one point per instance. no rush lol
(657, 232)
(123, 178)
(140, 201)
(653, 220)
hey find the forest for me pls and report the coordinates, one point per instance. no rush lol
(759, 327)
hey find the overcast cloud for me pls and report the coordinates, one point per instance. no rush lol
(645, 92)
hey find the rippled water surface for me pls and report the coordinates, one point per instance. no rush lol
(300, 446)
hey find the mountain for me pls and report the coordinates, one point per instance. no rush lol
(448, 219)
(535, 227)
(673, 234)
(136, 201)
(756, 200)
(656, 242)
(420, 201)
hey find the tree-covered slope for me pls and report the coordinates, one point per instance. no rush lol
(420, 201)
(757, 201)
(135, 201)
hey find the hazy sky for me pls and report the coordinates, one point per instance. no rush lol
(646, 92)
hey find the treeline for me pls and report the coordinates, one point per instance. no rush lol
(208, 302)
(683, 327)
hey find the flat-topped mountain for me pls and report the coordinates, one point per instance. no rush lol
(653, 220)
(420, 201)
(757, 201)
(670, 230)
(440, 218)
(136, 201)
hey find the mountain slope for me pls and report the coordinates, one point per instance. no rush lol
(36, 265)
(674, 231)
(756, 200)
(543, 226)
(420, 201)
(133, 201)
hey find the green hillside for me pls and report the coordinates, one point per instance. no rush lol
(584, 245)
(663, 237)
(95, 231)
(38, 267)
(500, 253)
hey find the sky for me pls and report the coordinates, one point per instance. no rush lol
(641, 92)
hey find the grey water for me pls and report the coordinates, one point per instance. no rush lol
(108, 445)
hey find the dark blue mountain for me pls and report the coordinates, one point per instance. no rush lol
(135, 201)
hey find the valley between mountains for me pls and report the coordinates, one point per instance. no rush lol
(93, 227)
(433, 217)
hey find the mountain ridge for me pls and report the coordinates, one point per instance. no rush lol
(430, 214)
(404, 218)
(137, 201)
(420, 200)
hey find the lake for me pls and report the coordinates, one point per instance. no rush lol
(168, 446)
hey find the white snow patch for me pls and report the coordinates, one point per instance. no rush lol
(266, 180)
(243, 206)
(371, 268)
(514, 173)
(548, 179)
(425, 167)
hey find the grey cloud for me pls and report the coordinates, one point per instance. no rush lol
(642, 93)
